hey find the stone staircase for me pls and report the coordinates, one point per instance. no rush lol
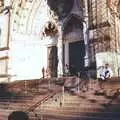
(82, 106)
(44, 100)
(77, 107)
(28, 98)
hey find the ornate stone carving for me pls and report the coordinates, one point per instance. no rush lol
(50, 29)
(115, 5)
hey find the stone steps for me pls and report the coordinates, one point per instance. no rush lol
(85, 106)
(87, 115)
(82, 106)
(59, 116)
(78, 111)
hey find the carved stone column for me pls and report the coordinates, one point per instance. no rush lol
(66, 53)
(5, 31)
(60, 51)
(85, 32)
(4, 41)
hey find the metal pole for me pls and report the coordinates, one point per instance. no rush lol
(78, 80)
(49, 84)
(25, 87)
(63, 92)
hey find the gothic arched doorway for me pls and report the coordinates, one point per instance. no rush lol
(73, 34)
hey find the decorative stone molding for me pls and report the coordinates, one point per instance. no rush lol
(115, 5)
(50, 29)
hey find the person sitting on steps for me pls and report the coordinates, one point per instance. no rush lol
(104, 74)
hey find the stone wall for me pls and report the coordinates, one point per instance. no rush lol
(112, 58)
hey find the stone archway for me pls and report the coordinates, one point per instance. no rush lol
(74, 42)
(73, 22)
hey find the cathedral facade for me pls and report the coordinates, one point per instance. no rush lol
(46, 35)
(41, 34)
(104, 35)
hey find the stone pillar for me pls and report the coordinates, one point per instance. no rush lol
(6, 27)
(85, 32)
(6, 34)
(7, 16)
(60, 51)
(66, 53)
(5, 30)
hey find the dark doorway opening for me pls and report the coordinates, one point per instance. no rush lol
(76, 56)
(52, 61)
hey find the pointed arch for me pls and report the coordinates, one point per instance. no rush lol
(24, 14)
(72, 22)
